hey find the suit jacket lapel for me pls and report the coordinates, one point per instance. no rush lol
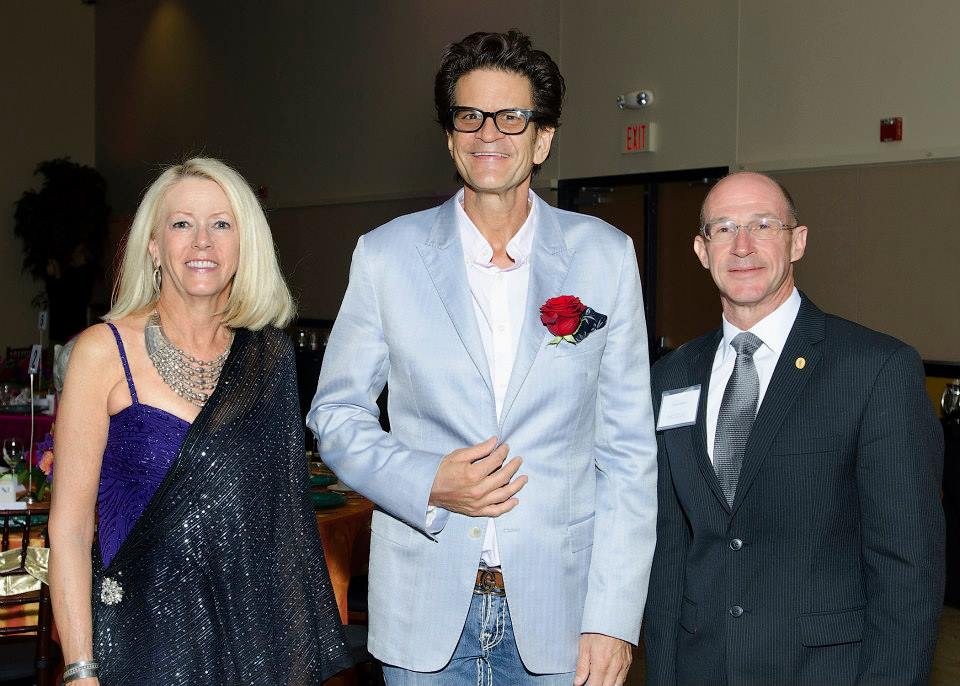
(784, 389)
(442, 255)
(702, 368)
(549, 262)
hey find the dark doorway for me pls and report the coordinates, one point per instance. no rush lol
(660, 211)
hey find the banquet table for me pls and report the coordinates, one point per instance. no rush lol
(18, 426)
(345, 532)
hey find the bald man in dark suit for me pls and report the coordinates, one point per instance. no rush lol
(800, 533)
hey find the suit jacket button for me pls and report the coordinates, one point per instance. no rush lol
(736, 544)
(475, 532)
(735, 611)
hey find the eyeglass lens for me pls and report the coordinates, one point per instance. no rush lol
(761, 229)
(510, 122)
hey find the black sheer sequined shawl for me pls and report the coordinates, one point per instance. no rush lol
(223, 579)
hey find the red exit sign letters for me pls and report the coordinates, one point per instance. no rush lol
(638, 137)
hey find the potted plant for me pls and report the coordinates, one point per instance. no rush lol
(63, 227)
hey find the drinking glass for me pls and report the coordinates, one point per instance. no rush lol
(12, 453)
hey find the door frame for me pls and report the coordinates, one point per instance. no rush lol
(567, 192)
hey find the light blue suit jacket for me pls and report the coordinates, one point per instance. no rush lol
(576, 550)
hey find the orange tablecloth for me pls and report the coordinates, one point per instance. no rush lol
(345, 532)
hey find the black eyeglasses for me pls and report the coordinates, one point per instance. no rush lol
(511, 122)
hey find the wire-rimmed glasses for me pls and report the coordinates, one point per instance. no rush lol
(726, 231)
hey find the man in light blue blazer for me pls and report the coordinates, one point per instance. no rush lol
(504, 328)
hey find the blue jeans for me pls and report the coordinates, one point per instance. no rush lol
(486, 654)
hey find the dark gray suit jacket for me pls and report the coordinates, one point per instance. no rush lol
(828, 569)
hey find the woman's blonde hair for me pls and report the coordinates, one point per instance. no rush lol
(258, 296)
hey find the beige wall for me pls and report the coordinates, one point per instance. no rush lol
(316, 267)
(757, 84)
(322, 102)
(685, 51)
(47, 53)
(817, 76)
(882, 248)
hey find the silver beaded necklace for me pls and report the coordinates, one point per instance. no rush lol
(192, 379)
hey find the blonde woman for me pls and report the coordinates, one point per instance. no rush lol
(180, 462)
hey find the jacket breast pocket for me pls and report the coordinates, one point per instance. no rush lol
(393, 530)
(831, 628)
(594, 343)
(802, 445)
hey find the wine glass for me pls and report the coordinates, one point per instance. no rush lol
(12, 453)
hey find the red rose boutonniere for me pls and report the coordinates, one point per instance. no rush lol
(569, 319)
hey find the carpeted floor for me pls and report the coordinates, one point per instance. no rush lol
(946, 664)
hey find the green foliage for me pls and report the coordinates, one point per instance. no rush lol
(63, 225)
(41, 486)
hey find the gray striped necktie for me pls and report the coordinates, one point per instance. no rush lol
(738, 409)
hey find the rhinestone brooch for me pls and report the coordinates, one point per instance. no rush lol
(111, 592)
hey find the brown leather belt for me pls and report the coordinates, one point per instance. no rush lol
(489, 581)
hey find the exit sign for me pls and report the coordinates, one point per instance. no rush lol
(638, 138)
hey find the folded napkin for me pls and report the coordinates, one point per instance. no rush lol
(36, 566)
(325, 499)
(322, 480)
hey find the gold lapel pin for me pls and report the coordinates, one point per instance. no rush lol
(801, 363)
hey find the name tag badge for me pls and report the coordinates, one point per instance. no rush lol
(679, 408)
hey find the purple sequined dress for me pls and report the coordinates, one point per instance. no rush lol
(141, 444)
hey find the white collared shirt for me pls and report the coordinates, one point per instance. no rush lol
(499, 300)
(773, 331)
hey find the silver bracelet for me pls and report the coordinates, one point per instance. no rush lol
(80, 664)
(81, 669)
(74, 669)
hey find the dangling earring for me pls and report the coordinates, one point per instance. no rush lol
(157, 279)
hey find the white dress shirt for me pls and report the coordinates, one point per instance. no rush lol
(773, 331)
(499, 300)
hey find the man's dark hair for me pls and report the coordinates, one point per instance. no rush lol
(510, 52)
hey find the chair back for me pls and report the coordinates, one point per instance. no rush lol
(20, 529)
(18, 354)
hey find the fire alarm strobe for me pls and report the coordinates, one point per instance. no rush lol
(891, 129)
